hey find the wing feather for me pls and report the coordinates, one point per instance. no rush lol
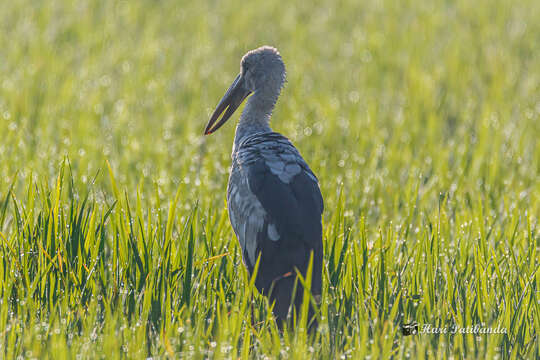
(276, 198)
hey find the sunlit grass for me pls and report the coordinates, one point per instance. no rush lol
(421, 120)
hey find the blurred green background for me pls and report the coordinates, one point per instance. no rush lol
(378, 92)
(388, 101)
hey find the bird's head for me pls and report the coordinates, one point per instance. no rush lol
(262, 72)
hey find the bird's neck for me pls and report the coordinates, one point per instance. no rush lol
(256, 116)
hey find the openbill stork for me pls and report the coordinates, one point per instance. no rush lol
(274, 201)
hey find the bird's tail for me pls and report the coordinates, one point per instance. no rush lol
(282, 295)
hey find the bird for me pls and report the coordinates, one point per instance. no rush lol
(274, 199)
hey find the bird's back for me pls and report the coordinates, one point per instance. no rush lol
(275, 208)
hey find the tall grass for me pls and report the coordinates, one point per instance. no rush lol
(421, 120)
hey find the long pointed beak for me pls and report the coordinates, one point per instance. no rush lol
(230, 102)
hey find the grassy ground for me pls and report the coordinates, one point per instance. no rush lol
(421, 120)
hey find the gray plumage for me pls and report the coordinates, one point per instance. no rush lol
(274, 201)
(274, 196)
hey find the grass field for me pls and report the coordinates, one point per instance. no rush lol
(420, 118)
